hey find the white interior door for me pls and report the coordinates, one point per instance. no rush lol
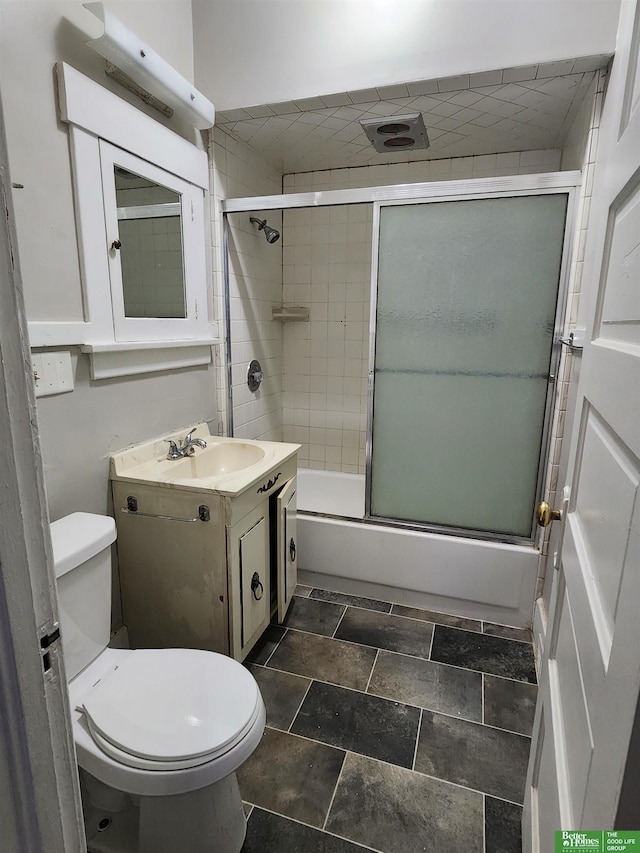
(40, 807)
(590, 677)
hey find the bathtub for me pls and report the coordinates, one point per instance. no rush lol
(339, 549)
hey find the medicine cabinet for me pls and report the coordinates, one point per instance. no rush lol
(140, 200)
(154, 240)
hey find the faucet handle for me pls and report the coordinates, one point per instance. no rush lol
(173, 449)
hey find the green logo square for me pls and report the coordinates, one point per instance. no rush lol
(600, 841)
(567, 840)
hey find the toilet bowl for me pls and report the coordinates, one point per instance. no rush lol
(159, 733)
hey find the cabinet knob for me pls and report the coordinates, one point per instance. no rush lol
(256, 587)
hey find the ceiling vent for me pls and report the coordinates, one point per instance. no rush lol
(396, 133)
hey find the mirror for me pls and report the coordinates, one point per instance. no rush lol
(151, 248)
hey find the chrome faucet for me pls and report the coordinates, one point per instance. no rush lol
(187, 448)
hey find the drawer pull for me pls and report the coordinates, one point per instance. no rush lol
(132, 509)
(256, 587)
(270, 484)
(292, 550)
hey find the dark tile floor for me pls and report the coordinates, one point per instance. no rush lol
(389, 729)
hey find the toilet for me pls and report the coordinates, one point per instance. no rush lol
(159, 733)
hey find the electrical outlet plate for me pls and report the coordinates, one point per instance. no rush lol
(52, 372)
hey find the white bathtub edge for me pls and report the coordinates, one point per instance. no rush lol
(463, 577)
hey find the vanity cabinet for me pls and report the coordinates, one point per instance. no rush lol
(200, 569)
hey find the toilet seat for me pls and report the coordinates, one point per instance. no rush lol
(171, 709)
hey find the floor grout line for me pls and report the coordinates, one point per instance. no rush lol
(366, 689)
(293, 719)
(333, 796)
(482, 699)
(313, 740)
(484, 823)
(273, 651)
(415, 750)
(333, 636)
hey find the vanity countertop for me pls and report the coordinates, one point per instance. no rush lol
(227, 466)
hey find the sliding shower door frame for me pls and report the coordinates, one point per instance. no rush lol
(555, 183)
(379, 196)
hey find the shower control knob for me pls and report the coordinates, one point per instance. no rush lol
(254, 375)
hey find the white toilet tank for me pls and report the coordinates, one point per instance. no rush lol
(82, 559)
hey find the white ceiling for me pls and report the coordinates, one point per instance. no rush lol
(513, 109)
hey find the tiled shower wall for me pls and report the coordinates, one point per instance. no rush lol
(255, 282)
(327, 267)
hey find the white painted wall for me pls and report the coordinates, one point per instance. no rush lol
(251, 52)
(34, 35)
(79, 430)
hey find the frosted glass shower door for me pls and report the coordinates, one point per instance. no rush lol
(465, 315)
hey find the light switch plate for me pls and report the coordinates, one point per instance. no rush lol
(52, 372)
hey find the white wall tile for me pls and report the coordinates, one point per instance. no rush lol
(255, 285)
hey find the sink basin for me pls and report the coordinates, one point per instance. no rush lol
(226, 466)
(215, 460)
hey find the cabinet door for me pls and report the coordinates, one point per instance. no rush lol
(250, 590)
(173, 576)
(254, 579)
(287, 546)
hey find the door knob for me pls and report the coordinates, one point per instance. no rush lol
(545, 515)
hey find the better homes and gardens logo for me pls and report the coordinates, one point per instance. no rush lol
(600, 841)
(580, 841)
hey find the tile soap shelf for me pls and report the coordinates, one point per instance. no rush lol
(294, 314)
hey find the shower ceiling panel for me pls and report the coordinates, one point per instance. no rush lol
(513, 109)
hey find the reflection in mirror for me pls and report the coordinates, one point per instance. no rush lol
(151, 252)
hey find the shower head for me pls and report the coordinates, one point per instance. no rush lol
(270, 233)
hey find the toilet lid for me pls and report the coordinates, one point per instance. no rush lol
(173, 705)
